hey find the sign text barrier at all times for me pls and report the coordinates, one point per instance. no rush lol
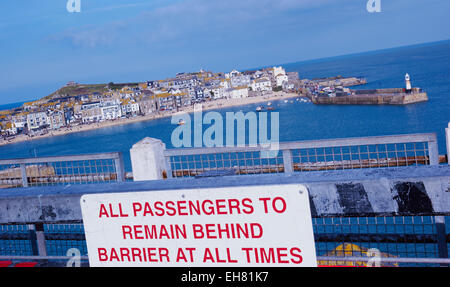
(236, 226)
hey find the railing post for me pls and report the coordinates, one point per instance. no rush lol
(433, 152)
(148, 160)
(23, 173)
(168, 168)
(447, 139)
(40, 238)
(37, 238)
(441, 237)
(120, 170)
(32, 234)
(287, 161)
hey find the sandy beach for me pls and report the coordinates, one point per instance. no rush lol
(216, 104)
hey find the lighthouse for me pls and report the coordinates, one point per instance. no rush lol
(408, 83)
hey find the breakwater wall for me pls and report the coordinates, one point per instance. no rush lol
(339, 81)
(374, 97)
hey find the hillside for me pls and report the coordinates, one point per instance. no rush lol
(86, 89)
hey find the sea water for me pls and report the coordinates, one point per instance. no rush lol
(428, 65)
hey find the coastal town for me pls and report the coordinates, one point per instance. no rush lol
(78, 107)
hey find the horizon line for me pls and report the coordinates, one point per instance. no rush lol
(284, 64)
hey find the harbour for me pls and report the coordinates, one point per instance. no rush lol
(374, 97)
(334, 92)
(301, 120)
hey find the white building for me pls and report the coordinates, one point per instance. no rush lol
(12, 130)
(130, 108)
(231, 74)
(281, 79)
(278, 70)
(19, 121)
(261, 85)
(111, 110)
(91, 115)
(8, 128)
(56, 119)
(217, 92)
(237, 93)
(224, 84)
(280, 76)
(88, 106)
(259, 74)
(37, 120)
(288, 86)
(240, 80)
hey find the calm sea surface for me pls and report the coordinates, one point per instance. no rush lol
(11, 106)
(428, 65)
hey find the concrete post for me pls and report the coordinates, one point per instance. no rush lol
(441, 238)
(148, 161)
(433, 152)
(120, 171)
(23, 172)
(287, 161)
(37, 238)
(447, 138)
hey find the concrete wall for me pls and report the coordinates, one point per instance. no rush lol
(148, 161)
(421, 190)
(373, 99)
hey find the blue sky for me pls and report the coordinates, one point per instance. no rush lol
(42, 46)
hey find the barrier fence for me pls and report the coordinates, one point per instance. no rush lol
(316, 155)
(62, 170)
(395, 241)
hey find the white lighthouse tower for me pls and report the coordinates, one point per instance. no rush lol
(408, 82)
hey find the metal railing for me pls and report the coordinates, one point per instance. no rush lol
(61, 170)
(398, 241)
(302, 156)
(345, 240)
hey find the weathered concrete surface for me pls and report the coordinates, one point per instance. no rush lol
(386, 191)
(147, 160)
(381, 98)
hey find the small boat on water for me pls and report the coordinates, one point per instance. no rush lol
(181, 122)
(270, 108)
(259, 108)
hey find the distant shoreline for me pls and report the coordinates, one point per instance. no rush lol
(6, 107)
(213, 105)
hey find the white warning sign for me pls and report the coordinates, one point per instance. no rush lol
(236, 226)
